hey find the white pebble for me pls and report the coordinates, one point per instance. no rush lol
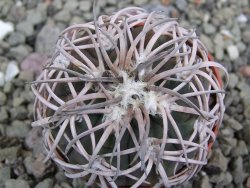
(11, 71)
(242, 18)
(1, 79)
(6, 27)
(227, 33)
(233, 52)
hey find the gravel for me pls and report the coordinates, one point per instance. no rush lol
(223, 26)
(3, 98)
(19, 113)
(181, 4)
(240, 149)
(18, 129)
(85, 6)
(209, 29)
(6, 28)
(217, 163)
(19, 52)
(47, 183)
(246, 36)
(3, 114)
(47, 37)
(233, 52)
(12, 183)
(9, 153)
(8, 87)
(63, 16)
(140, 2)
(207, 42)
(248, 182)
(16, 38)
(26, 28)
(4, 175)
(12, 71)
(71, 5)
(205, 182)
(39, 168)
(35, 17)
(2, 80)
(232, 123)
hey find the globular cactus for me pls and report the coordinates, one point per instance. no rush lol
(130, 99)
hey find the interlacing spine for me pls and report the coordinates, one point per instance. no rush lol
(128, 100)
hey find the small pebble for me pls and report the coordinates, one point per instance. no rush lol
(63, 16)
(28, 163)
(218, 162)
(17, 13)
(26, 28)
(46, 38)
(85, 6)
(12, 183)
(6, 28)
(181, 5)
(240, 150)
(140, 2)
(227, 33)
(233, 52)
(209, 29)
(19, 129)
(2, 79)
(234, 124)
(3, 98)
(4, 174)
(246, 36)
(237, 164)
(39, 168)
(8, 87)
(35, 17)
(16, 38)
(12, 71)
(238, 177)
(205, 182)
(242, 18)
(218, 40)
(3, 115)
(47, 183)
(9, 153)
(71, 5)
(219, 52)
(20, 52)
(207, 42)
(248, 182)
(26, 76)
(18, 113)
(34, 136)
(227, 144)
(111, 2)
(57, 4)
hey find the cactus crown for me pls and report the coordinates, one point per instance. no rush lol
(129, 99)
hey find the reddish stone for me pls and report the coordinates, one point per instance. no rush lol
(34, 63)
(245, 71)
(166, 2)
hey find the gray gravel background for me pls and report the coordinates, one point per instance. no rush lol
(224, 27)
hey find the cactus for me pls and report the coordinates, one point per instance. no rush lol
(130, 99)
